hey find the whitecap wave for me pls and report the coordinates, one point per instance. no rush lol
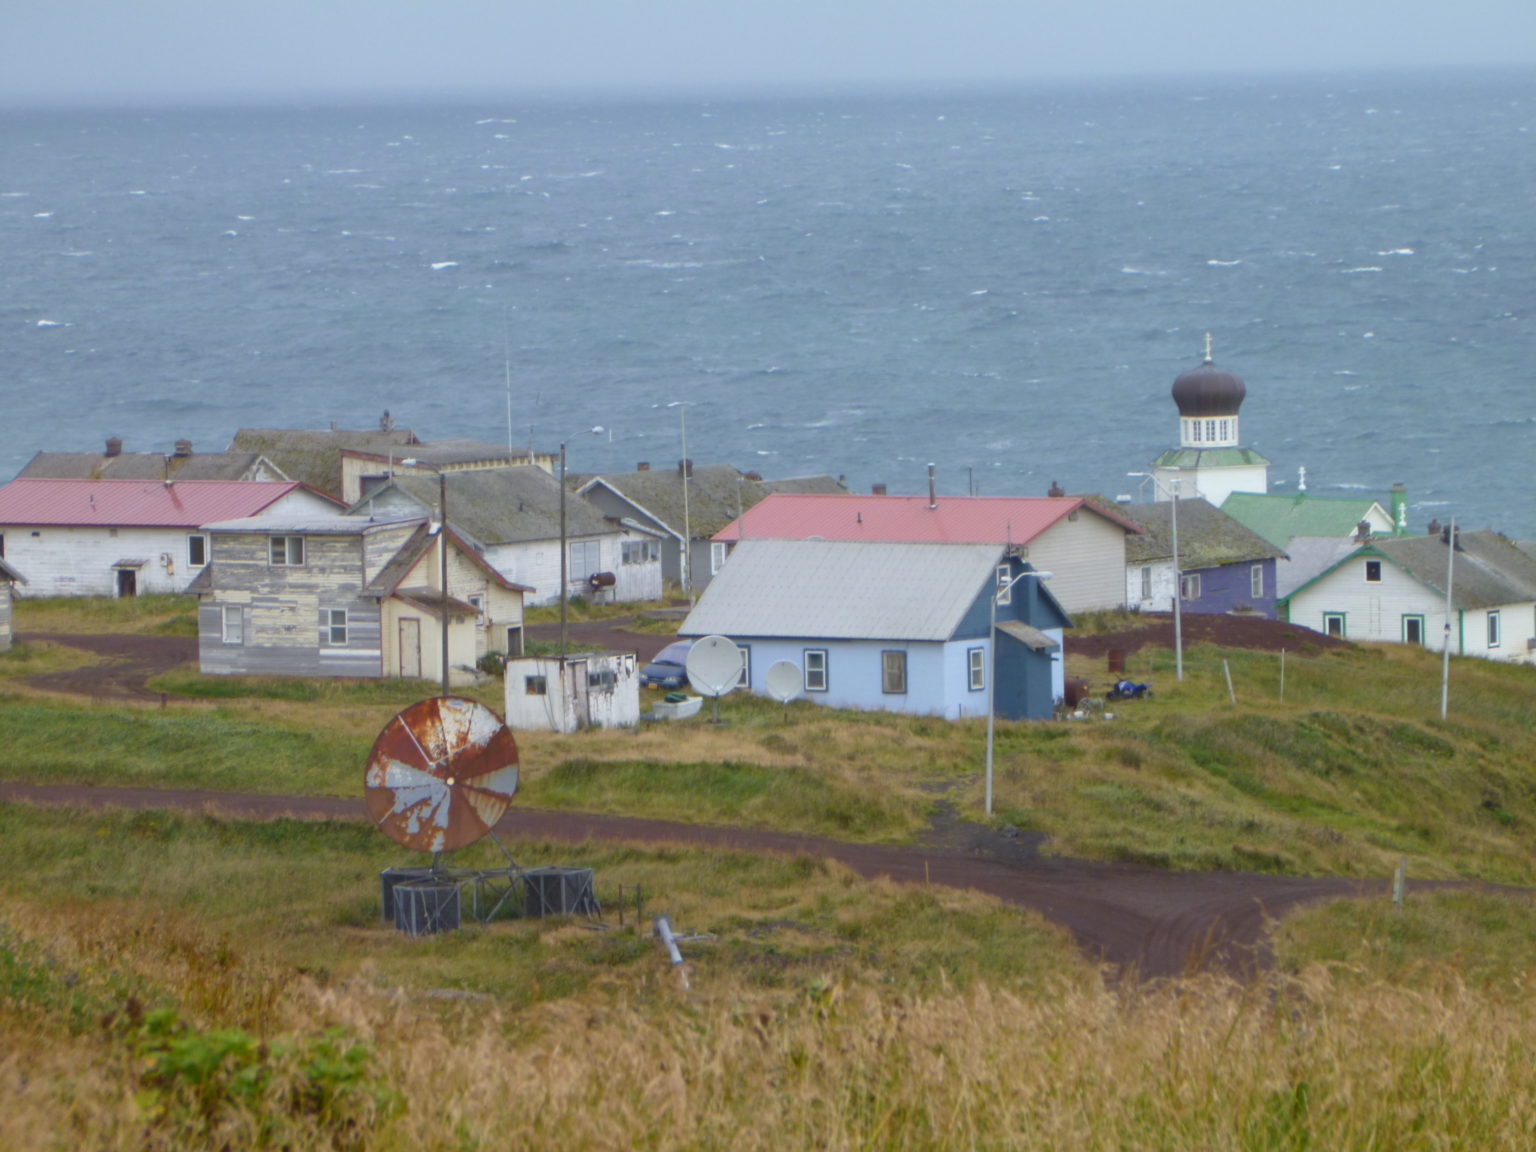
(41, 215)
(441, 264)
(50, 323)
(1396, 252)
(1223, 263)
(1354, 271)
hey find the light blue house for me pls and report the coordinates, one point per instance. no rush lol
(898, 627)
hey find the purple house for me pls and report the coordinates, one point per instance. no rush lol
(1223, 567)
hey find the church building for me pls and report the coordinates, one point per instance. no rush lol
(1209, 461)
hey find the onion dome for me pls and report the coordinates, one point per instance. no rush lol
(1208, 391)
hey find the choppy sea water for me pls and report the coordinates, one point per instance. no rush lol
(1004, 284)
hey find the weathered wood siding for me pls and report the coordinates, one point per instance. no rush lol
(1086, 559)
(5, 614)
(285, 611)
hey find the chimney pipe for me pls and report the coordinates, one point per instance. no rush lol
(933, 491)
(877, 490)
(685, 468)
(643, 466)
(114, 445)
(183, 448)
(1362, 531)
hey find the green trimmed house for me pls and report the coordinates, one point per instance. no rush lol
(1395, 590)
(1315, 532)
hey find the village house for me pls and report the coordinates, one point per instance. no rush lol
(1396, 589)
(512, 515)
(313, 456)
(1222, 566)
(1082, 542)
(337, 595)
(128, 537)
(1315, 532)
(689, 504)
(900, 627)
(181, 463)
(9, 578)
(363, 470)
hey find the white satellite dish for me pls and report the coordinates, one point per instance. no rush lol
(783, 681)
(713, 666)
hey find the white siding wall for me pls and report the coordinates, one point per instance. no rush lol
(78, 561)
(1164, 586)
(5, 614)
(537, 564)
(1086, 559)
(1216, 484)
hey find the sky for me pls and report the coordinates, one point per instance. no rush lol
(192, 51)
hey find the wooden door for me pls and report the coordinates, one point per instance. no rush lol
(410, 649)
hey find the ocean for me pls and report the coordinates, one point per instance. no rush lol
(1004, 284)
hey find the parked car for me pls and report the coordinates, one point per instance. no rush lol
(667, 670)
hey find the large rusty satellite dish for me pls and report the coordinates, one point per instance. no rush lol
(441, 774)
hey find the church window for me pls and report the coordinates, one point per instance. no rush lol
(1194, 431)
(1210, 430)
(1226, 431)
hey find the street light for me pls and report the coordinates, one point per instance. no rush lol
(565, 590)
(686, 568)
(1178, 577)
(442, 545)
(997, 593)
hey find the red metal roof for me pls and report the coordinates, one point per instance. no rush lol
(952, 519)
(136, 503)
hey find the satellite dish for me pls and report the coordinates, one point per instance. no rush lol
(714, 665)
(783, 681)
(441, 774)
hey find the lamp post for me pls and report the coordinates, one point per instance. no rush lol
(565, 589)
(1178, 576)
(686, 568)
(442, 547)
(997, 593)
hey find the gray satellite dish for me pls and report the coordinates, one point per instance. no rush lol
(783, 681)
(714, 666)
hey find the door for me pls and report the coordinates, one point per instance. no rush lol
(127, 582)
(410, 649)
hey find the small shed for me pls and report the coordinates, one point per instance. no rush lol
(581, 690)
(9, 578)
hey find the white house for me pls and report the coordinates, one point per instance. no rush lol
(1395, 589)
(582, 690)
(893, 626)
(126, 537)
(512, 515)
(1080, 542)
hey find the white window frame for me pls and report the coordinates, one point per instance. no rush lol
(719, 550)
(1146, 582)
(1256, 581)
(893, 671)
(201, 540)
(976, 668)
(1342, 618)
(1005, 583)
(1414, 618)
(745, 680)
(336, 627)
(1495, 629)
(1194, 431)
(1189, 586)
(286, 551)
(583, 552)
(232, 624)
(816, 665)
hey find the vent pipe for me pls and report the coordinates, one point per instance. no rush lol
(877, 490)
(114, 446)
(933, 491)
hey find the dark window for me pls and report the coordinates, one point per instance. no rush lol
(197, 551)
(1373, 571)
(287, 551)
(1413, 630)
(535, 686)
(815, 669)
(1333, 623)
(893, 672)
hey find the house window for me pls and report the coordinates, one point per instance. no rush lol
(585, 559)
(2, 545)
(893, 672)
(233, 625)
(745, 680)
(1333, 623)
(1189, 586)
(602, 680)
(287, 551)
(1146, 581)
(976, 661)
(197, 551)
(1256, 581)
(535, 686)
(1373, 571)
(336, 624)
(1494, 638)
(515, 640)
(815, 669)
(1004, 584)
(718, 551)
(1413, 630)
(478, 604)
(640, 551)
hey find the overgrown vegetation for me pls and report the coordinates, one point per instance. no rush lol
(159, 614)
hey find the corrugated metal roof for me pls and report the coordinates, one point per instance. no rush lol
(1279, 518)
(838, 589)
(951, 519)
(135, 503)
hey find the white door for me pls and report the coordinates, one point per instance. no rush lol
(410, 649)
